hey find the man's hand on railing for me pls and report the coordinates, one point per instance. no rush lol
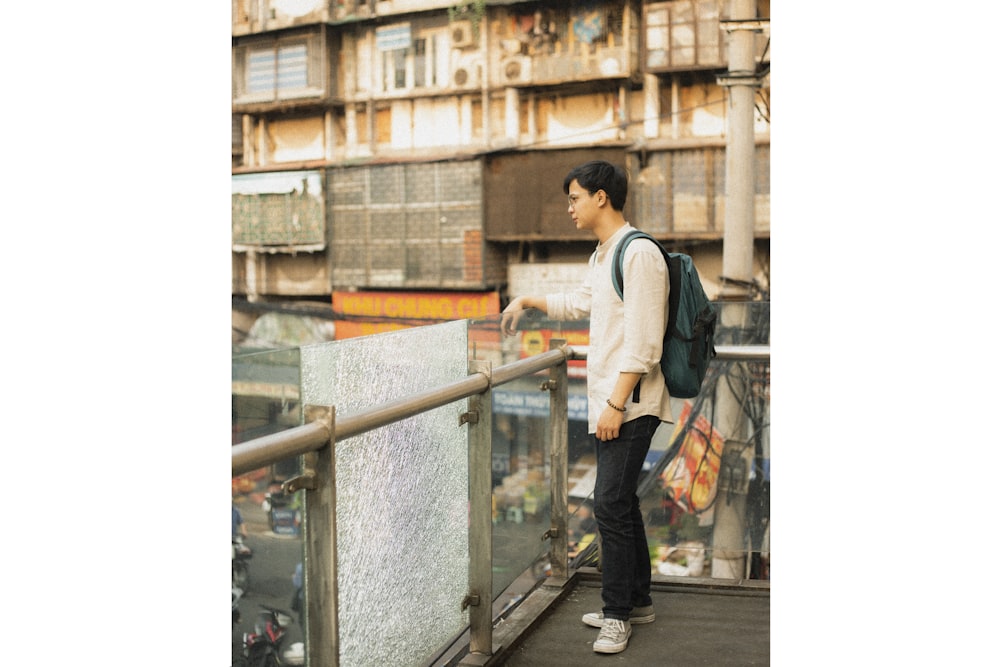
(515, 310)
(509, 320)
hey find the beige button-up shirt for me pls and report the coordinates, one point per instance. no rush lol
(624, 336)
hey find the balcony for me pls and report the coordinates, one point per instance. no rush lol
(434, 484)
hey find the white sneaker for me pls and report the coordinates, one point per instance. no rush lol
(637, 616)
(613, 637)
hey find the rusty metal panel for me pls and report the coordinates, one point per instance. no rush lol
(762, 187)
(762, 171)
(524, 196)
(652, 192)
(681, 192)
(407, 225)
(282, 209)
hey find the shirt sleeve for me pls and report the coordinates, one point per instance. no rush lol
(573, 305)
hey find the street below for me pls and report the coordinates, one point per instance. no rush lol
(270, 582)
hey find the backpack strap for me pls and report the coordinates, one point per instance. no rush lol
(618, 275)
(618, 260)
(673, 274)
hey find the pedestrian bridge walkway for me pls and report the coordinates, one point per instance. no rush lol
(698, 622)
(405, 463)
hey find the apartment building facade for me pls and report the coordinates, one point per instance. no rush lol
(416, 148)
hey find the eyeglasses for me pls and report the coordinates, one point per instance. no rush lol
(572, 199)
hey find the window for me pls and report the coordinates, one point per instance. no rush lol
(420, 64)
(277, 70)
(683, 34)
(237, 135)
(399, 68)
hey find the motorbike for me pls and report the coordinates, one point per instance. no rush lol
(264, 646)
(241, 562)
(237, 645)
(283, 514)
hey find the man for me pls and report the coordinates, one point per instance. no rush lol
(239, 528)
(626, 395)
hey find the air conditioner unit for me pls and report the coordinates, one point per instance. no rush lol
(467, 73)
(461, 34)
(516, 69)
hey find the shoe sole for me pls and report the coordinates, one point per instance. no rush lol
(598, 621)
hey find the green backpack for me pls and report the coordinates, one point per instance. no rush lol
(689, 341)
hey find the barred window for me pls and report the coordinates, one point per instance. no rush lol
(277, 69)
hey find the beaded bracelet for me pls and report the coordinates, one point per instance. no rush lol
(615, 406)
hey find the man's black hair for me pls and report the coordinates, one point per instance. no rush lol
(600, 175)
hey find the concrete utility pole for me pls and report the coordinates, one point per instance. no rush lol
(729, 525)
(742, 83)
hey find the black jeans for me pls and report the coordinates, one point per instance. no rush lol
(625, 565)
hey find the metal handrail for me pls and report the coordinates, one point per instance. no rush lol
(743, 352)
(269, 449)
(263, 451)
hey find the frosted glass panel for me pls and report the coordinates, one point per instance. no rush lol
(402, 494)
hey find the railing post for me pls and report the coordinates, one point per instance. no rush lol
(320, 561)
(480, 595)
(558, 455)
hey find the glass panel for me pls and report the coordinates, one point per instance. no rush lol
(656, 36)
(399, 68)
(265, 397)
(705, 492)
(420, 62)
(682, 38)
(688, 462)
(522, 456)
(402, 493)
(521, 484)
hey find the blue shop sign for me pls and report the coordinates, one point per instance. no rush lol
(535, 404)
